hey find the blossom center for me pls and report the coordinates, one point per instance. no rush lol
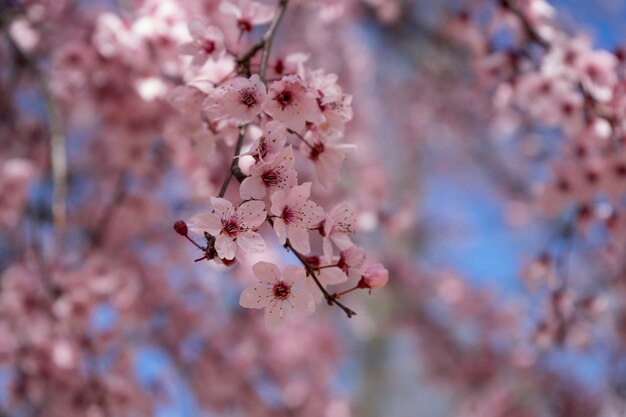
(281, 290)
(270, 178)
(244, 25)
(208, 46)
(285, 98)
(288, 215)
(248, 97)
(231, 228)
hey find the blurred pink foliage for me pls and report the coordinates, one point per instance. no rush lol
(292, 149)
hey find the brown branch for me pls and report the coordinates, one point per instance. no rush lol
(58, 157)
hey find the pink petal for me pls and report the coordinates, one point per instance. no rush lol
(311, 215)
(328, 165)
(342, 240)
(275, 314)
(281, 230)
(209, 222)
(327, 247)
(275, 136)
(266, 272)
(332, 276)
(251, 242)
(299, 194)
(258, 85)
(303, 302)
(225, 246)
(199, 59)
(252, 187)
(294, 275)
(188, 48)
(251, 214)
(223, 208)
(278, 202)
(354, 256)
(196, 29)
(299, 238)
(227, 7)
(256, 296)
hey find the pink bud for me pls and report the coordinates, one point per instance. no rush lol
(181, 228)
(375, 276)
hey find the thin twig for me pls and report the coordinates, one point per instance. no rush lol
(330, 299)
(269, 36)
(233, 165)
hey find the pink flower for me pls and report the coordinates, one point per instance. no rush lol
(333, 103)
(293, 103)
(351, 261)
(248, 13)
(278, 294)
(278, 174)
(295, 215)
(232, 226)
(376, 276)
(328, 159)
(207, 42)
(239, 99)
(270, 143)
(338, 226)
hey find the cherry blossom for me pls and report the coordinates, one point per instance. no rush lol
(293, 103)
(271, 142)
(334, 104)
(232, 226)
(208, 42)
(352, 260)
(278, 293)
(338, 227)
(248, 13)
(327, 158)
(239, 99)
(294, 215)
(278, 174)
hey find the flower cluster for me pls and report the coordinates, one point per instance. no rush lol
(266, 120)
(547, 82)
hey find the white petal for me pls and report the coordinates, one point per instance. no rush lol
(209, 222)
(294, 275)
(303, 302)
(332, 276)
(266, 272)
(299, 194)
(299, 238)
(281, 230)
(188, 48)
(227, 7)
(278, 202)
(275, 314)
(223, 207)
(256, 296)
(252, 187)
(251, 214)
(251, 242)
(225, 246)
(196, 29)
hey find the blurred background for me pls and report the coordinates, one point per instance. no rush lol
(103, 311)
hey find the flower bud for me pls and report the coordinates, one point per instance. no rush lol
(181, 228)
(375, 276)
